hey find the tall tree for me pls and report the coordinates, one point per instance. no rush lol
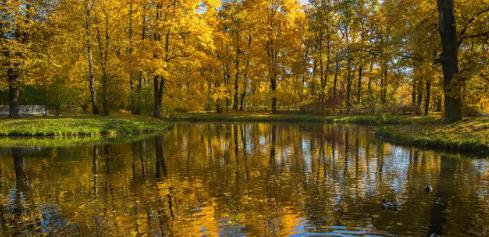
(88, 38)
(449, 60)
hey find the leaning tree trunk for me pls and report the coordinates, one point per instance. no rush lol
(449, 60)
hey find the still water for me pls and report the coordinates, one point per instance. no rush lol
(234, 179)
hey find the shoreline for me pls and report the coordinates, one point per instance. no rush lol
(305, 118)
(469, 136)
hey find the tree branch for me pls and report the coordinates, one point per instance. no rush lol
(461, 35)
(486, 34)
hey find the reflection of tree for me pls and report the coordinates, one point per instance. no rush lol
(21, 197)
(443, 193)
(380, 158)
(236, 158)
(245, 149)
(367, 152)
(346, 152)
(95, 152)
(357, 150)
(273, 142)
(160, 159)
(23, 216)
(266, 187)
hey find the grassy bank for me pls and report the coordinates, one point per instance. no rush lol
(267, 117)
(51, 142)
(468, 136)
(80, 126)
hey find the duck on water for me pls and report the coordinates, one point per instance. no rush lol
(389, 205)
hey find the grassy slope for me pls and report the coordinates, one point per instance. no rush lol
(470, 135)
(80, 126)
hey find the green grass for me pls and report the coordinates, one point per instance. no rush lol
(468, 136)
(9, 142)
(80, 126)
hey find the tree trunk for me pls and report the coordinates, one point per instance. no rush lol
(158, 84)
(242, 100)
(104, 59)
(348, 85)
(359, 85)
(348, 73)
(369, 86)
(413, 95)
(335, 80)
(236, 78)
(134, 100)
(159, 81)
(427, 97)
(226, 83)
(328, 49)
(93, 97)
(14, 67)
(272, 71)
(449, 60)
(236, 85)
(14, 91)
(273, 87)
(218, 101)
(247, 73)
(321, 69)
(383, 82)
(419, 101)
(137, 109)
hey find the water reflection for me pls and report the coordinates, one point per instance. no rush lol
(255, 179)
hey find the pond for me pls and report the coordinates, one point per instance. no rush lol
(243, 179)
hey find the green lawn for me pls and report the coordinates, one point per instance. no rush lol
(80, 126)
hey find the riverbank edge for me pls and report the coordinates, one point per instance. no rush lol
(387, 128)
(303, 118)
(54, 142)
(433, 141)
(78, 127)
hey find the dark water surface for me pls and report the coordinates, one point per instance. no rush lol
(254, 179)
